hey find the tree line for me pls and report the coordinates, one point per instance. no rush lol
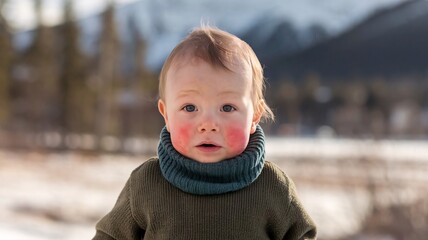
(355, 107)
(54, 86)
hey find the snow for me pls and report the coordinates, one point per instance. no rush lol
(57, 196)
(332, 148)
(47, 196)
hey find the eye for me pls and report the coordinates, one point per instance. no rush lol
(227, 108)
(189, 108)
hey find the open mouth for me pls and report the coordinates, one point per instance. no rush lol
(207, 145)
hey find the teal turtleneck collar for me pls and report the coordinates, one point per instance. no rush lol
(212, 178)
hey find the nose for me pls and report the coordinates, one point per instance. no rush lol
(208, 123)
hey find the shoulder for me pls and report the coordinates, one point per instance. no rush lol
(275, 179)
(150, 165)
(275, 174)
(146, 173)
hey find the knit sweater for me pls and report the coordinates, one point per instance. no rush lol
(168, 199)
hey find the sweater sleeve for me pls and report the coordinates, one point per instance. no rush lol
(302, 226)
(119, 223)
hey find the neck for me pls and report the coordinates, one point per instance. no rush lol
(212, 178)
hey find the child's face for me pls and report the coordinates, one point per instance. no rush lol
(208, 111)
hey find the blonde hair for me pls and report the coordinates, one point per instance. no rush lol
(220, 49)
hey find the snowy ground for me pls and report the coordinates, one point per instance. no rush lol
(47, 196)
(52, 196)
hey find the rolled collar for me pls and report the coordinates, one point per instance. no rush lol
(212, 178)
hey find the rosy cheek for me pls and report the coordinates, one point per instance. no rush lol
(237, 139)
(180, 139)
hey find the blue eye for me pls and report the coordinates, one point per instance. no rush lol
(227, 108)
(189, 108)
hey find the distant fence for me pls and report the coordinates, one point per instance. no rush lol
(78, 142)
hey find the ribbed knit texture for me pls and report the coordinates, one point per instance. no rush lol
(212, 178)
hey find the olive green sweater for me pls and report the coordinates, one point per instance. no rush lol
(174, 197)
(149, 207)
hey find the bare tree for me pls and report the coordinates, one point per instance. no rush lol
(75, 97)
(144, 88)
(42, 88)
(108, 71)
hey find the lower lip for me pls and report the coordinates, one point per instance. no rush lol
(208, 149)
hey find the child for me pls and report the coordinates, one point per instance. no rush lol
(210, 179)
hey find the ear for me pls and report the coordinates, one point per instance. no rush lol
(255, 121)
(162, 111)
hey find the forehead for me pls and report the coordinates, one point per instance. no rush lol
(197, 74)
(234, 65)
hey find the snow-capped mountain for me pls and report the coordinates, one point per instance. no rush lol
(390, 43)
(300, 23)
(165, 22)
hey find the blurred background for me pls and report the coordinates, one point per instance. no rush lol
(347, 81)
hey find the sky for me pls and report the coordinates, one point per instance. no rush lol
(20, 14)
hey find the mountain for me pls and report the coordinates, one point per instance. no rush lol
(273, 28)
(391, 42)
(166, 22)
(271, 38)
